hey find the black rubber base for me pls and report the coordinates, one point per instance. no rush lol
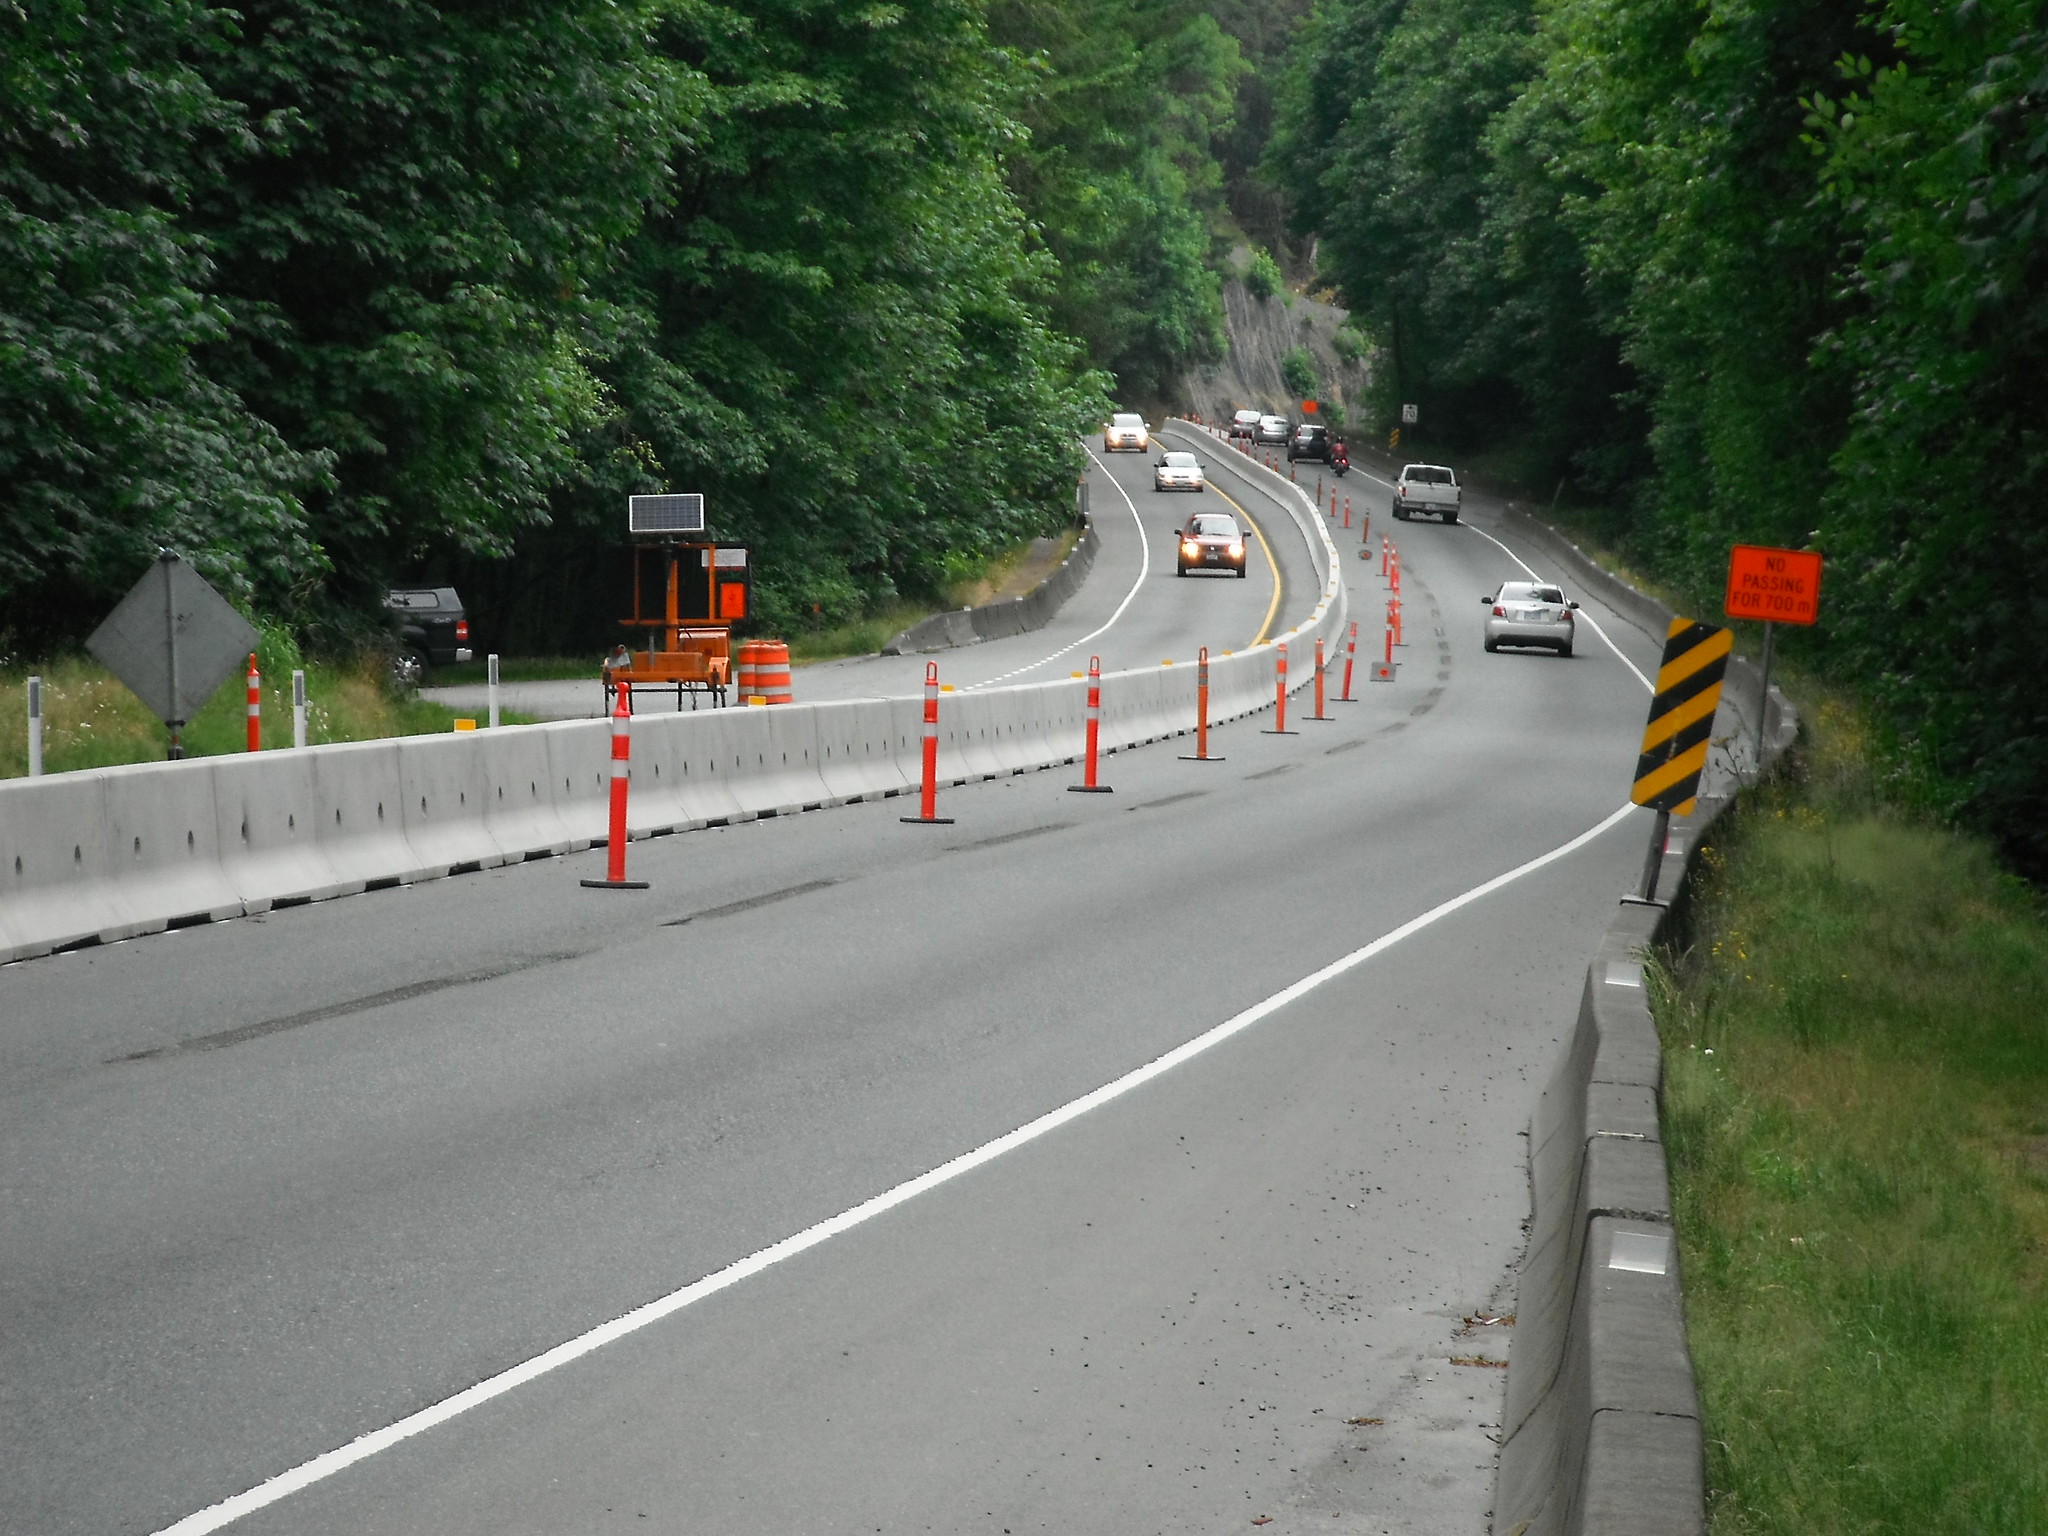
(1213, 757)
(614, 885)
(1279, 733)
(1089, 789)
(926, 821)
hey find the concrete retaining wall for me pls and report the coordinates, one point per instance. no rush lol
(1601, 1435)
(1013, 616)
(108, 853)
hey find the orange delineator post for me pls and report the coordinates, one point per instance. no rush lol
(1347, 511)
(1391, 607)
(1088, 786)
(1280, 696)
(928, 796)
(1201, 753)
(255, 706)
(1350, 655)
(1320, 714)
(1397, 620)
(615, 840)
(1384, 547)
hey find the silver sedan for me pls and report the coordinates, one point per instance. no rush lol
(1533, 613)
(1177, 472)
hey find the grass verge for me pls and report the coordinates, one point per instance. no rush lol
(90, 720)
(1856, 1110)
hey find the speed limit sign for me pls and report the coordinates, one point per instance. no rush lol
(1409, 415)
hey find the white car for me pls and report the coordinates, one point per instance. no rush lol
(1430, 489)
(1245, 424)
(1126, 429)
(1178, 472)
(1530, 613)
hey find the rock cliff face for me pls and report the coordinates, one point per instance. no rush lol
(1261, 332)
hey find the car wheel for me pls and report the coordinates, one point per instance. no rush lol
(1242, 572)
(1565, 650)
(1450, 517)
(1492, 646)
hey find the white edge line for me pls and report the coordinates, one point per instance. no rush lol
(307, 1473)
(1144, 569)
(1582, 613)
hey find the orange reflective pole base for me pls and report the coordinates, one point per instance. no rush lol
(1350, 655)
(1320, 713)
(928, 796)
(1280, 697)
(615, 842)
(1088, 786)
(1201, 754)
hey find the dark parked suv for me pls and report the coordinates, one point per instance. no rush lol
(432, 628)
(1309, 442)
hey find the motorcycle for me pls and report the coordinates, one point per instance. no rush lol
(1340, 461)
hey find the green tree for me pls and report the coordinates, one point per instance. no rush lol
(1124, 102)
(114, 440)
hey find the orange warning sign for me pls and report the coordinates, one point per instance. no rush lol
(1780, 586)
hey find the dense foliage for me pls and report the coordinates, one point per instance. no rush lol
(327, 295)
(1766, 270)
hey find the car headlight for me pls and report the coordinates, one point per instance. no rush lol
(1237, 551)
(1190, 547)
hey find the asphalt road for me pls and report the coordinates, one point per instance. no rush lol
(274, 1184)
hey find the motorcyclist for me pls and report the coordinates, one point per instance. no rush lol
(1339, 459)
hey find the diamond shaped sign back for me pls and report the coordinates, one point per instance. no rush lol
(173, 640)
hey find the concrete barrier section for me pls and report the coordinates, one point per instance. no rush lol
(446, 802)
(859, 759)
(359, 810)
(267, 827)
(580, 777)
(519, 801)
(163, 848)
(779, 761)
(53, 861)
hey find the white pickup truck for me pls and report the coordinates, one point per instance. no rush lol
(1427, 488)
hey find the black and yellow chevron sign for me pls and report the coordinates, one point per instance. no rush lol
(1681, 716)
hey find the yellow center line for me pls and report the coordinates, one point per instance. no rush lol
(1273, 607)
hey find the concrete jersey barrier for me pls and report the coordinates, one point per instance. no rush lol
(1013, 616)
(107, 853)
(1601, 1435)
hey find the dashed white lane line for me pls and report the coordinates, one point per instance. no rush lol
(320, 1468)
(1582, 613)
(1144, 569)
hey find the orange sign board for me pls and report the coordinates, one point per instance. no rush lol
(1781, 586)
(1308, 407)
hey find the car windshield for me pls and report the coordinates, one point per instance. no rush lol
(1529, 592)
(1271, 421)
(1428, 474)
(1308, 431)
(1214, 526)
(1127, 421)
(1180, 461)
(1247, 415)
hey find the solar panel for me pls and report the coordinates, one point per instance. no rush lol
(665, 514)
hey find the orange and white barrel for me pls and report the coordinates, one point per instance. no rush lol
(747, 670)
(771, 678)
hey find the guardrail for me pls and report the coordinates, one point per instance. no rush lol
(1602, 1431)
(1012, 616)
(109, 853)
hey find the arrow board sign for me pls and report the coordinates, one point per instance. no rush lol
(665, 514)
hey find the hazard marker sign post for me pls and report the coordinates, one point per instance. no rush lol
(1681, 723)
(1778, 586)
